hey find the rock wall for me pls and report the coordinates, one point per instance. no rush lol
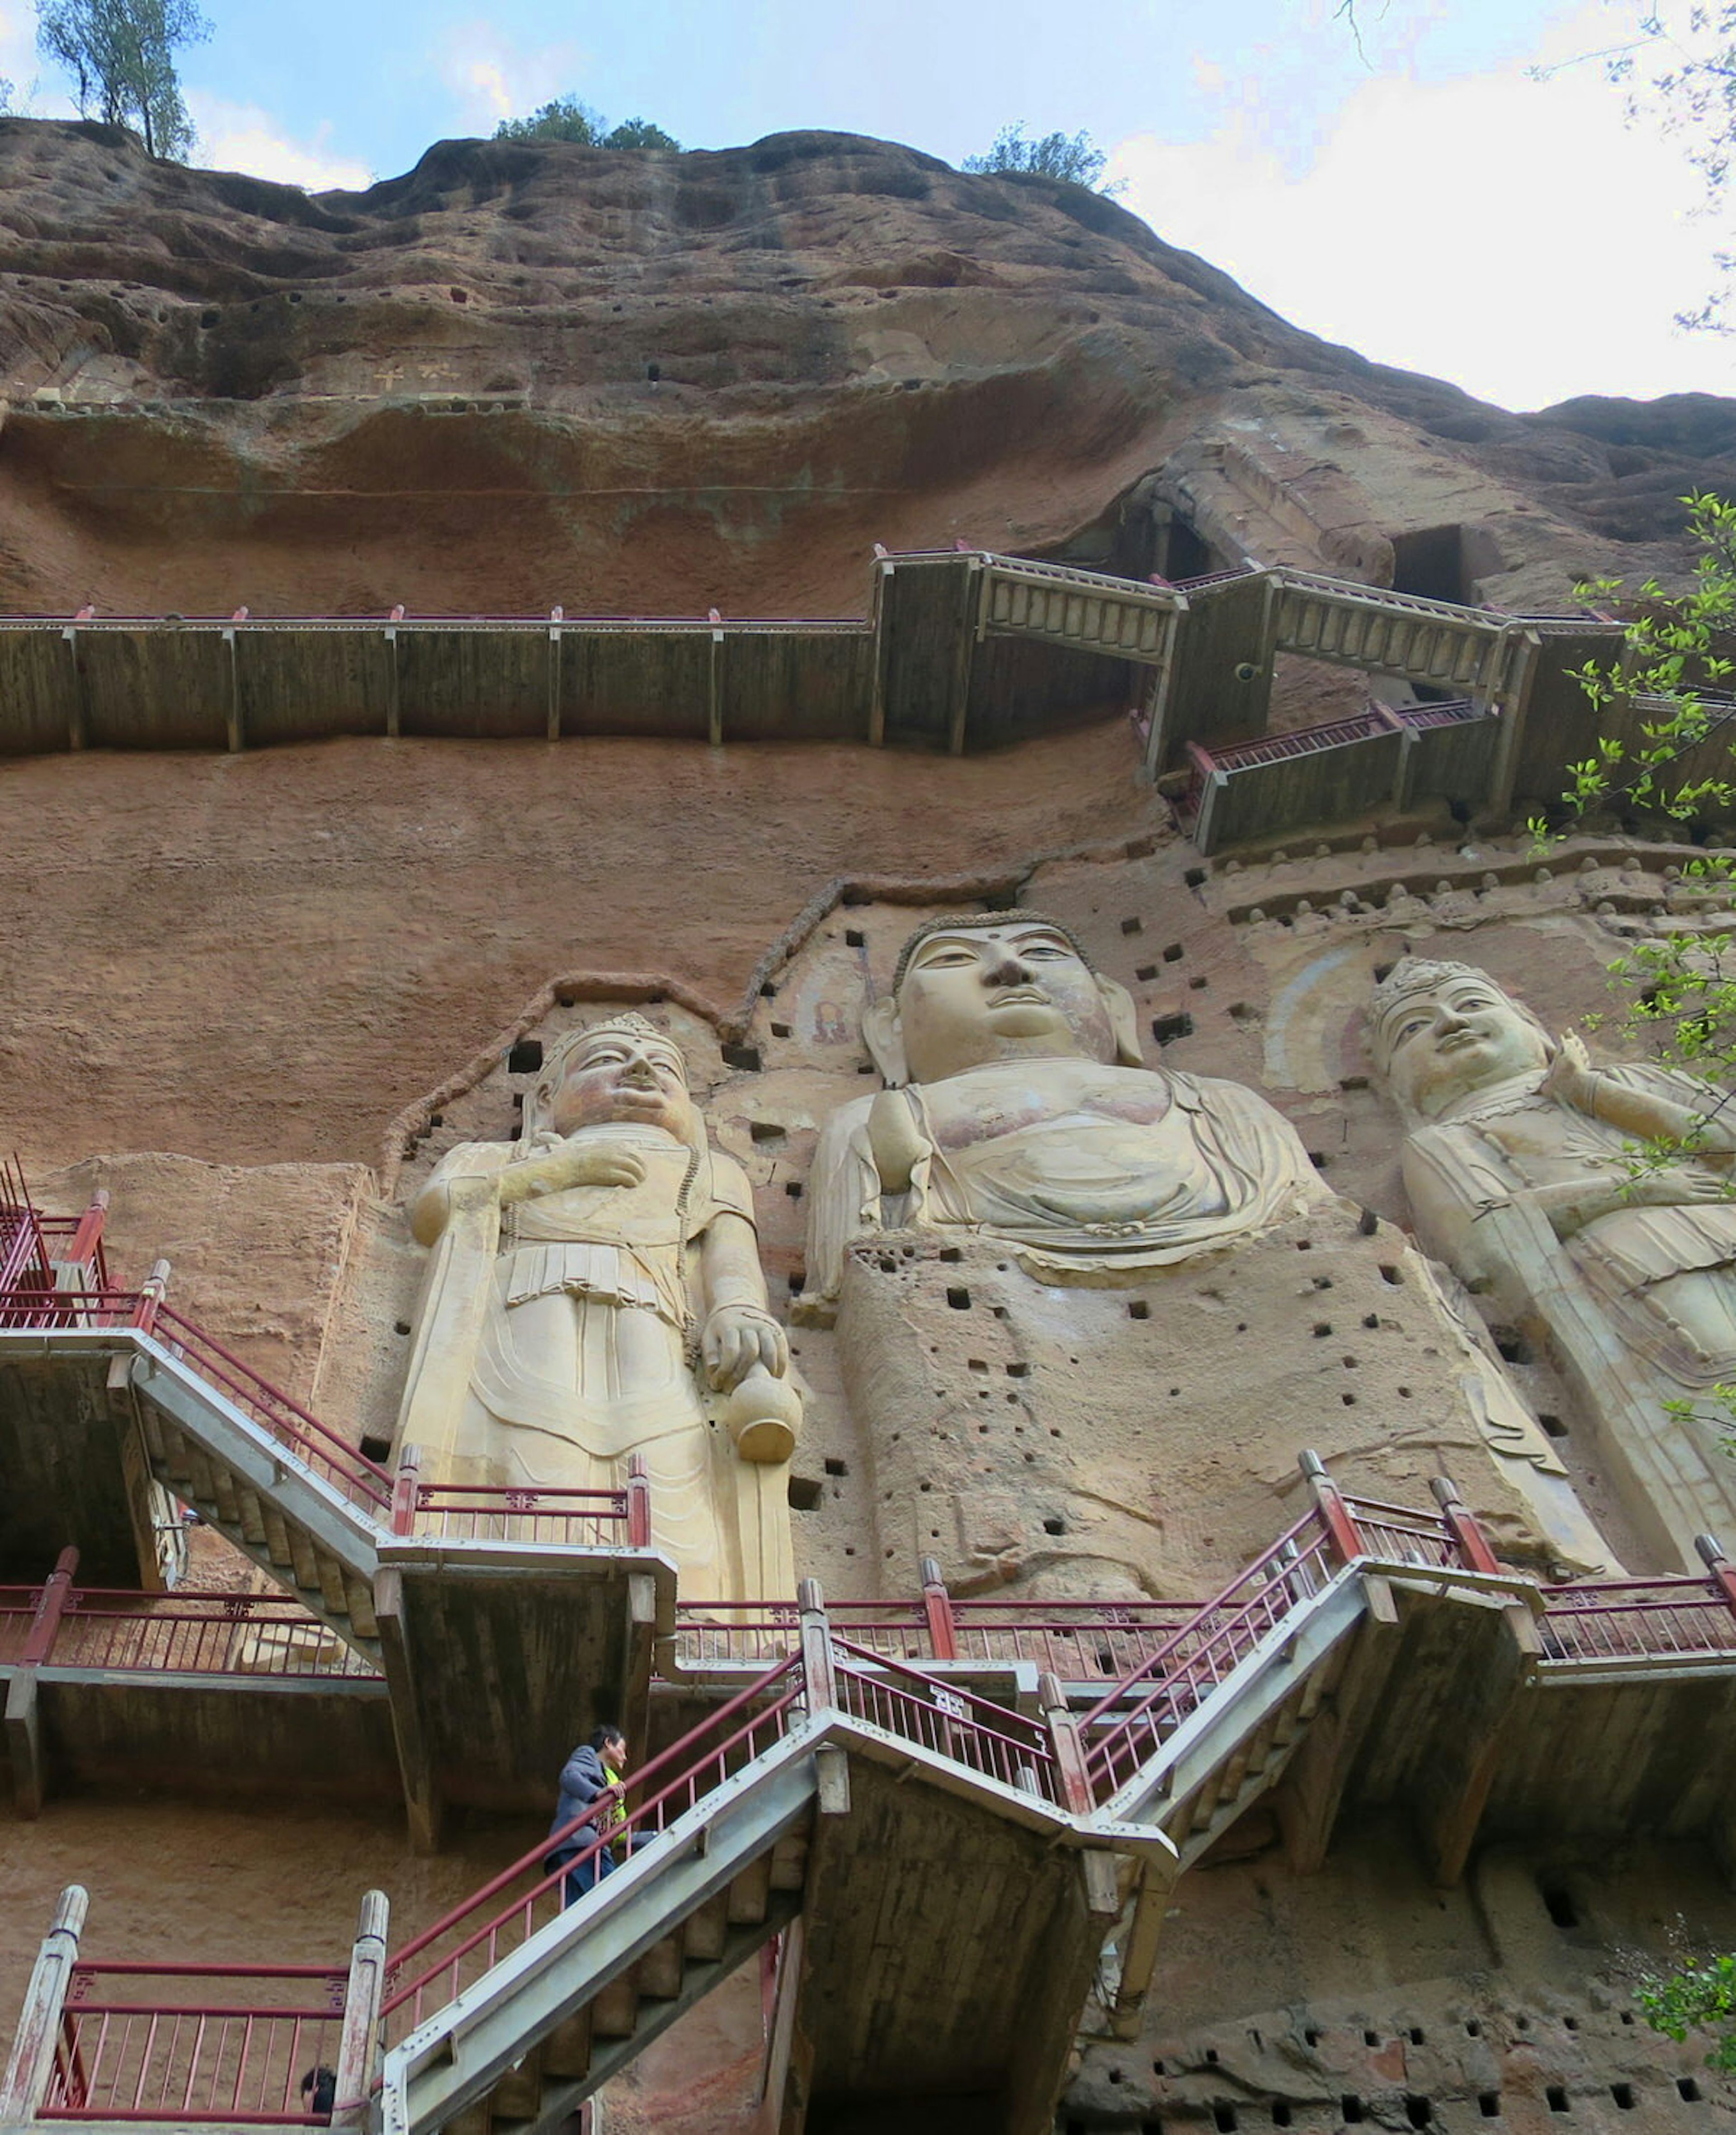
(525, 374)
(255, 998)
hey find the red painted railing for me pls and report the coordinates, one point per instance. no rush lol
(575, 1519)
(185, 1632)
(1637, 1619)
(1132, 1722)
(194, 2042)
(440, 1961)
(1078, 1641)
(18, 1607)
(1399, 1536)
(32, 1245)
(971, 1730)
(741, 1634)
(521, 1512)
(296, 1428)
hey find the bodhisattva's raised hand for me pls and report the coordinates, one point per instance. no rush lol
(1570, 1079)
(589, 1159)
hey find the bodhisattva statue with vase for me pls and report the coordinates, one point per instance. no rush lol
(1530, 1172)
(595, 1292)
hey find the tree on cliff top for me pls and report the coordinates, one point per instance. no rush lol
(1075, 159)
(565, 118)
(120, 54)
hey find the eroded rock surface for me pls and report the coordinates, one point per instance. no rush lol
(660, 382)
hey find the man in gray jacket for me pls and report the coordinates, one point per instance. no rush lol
(591, 1779)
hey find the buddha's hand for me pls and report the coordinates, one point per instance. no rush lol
(739, 1337)
(1676, 1185)
(592, 1160)
(1571, 1079)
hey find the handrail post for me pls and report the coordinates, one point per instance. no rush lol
(37, 2038)
(1335, 1514)
(26, 1749)
(358, 2045)
(1463, 1525)
(1069, 1748)
(89, 1235)
(937, 1607)
(819, 1667)
(638, 1503)
(1719, 1565)
(39, 1640)
(150, 1297)
(404, 1485)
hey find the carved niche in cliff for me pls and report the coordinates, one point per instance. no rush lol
(594, 1292)
(1075, 1329)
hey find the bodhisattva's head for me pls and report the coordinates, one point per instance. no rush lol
(996, 986)
(623, 1069)
(1443, 1031)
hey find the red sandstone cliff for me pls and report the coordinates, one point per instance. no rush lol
(698, 378)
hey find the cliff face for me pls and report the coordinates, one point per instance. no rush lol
(522, 374)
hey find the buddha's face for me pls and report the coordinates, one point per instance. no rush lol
(1463, 1036)
(990, 993)
(621, 1075)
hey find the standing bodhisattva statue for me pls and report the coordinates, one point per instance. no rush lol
(1018, 1110)
(584, 1280)
(1527, 1173)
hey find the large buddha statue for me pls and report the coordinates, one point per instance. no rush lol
(1017, 1110)
(1527, 1172)
(595, 1291)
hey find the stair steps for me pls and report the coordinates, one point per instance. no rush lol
(340, 1594)
(536, 2092)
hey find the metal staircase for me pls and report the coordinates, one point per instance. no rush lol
(840, 1788)
(829, 1773)
(269, 1476)
(509, 2015)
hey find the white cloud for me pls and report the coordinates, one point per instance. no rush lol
(1512, 235)
(493, 80)
(241, 137)
(39, 91)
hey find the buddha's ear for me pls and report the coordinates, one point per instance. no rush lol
(1123, 1021)
(884, 1036)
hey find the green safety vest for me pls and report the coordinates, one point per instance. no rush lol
(618, 1815)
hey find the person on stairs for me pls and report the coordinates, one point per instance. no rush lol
(592, 1778)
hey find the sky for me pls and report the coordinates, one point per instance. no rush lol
(1421, 195)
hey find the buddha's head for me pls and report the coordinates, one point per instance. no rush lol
(996, 986)
(1442, 1031)
(621, 1069)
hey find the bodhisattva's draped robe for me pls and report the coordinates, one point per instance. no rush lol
(1085, 1195)
(559, 1337)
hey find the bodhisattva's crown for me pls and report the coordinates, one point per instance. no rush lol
(1412, 979)
(628, 1025)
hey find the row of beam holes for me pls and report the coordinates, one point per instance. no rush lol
(1353, 2111)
